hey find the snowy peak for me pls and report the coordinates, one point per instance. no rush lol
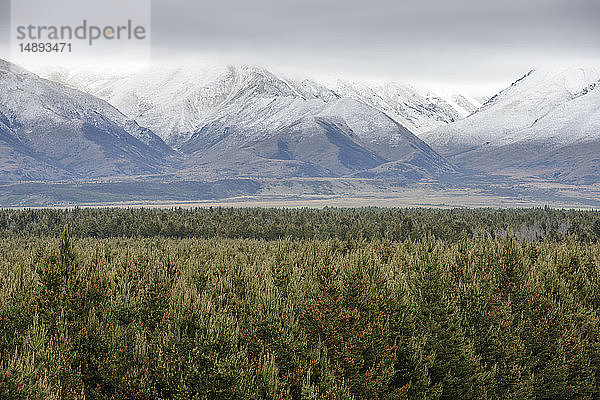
(71, 131)
(546, 124)
(418, 109)
(176, 102)
(312, 90)
(544, 88)
(511, 115)
(250, 81)
(219, 115)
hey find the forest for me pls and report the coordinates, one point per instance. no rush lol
(370, 303)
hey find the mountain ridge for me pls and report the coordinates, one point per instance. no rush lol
(72, 133)
(244, 116)
(536, 127)
(194, 93)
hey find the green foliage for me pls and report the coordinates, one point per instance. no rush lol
(451, 313)
(330, 223)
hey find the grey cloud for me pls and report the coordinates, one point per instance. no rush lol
(477, 42)
(268, 23)
(441, 38)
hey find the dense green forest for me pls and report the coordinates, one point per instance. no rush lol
(273, 224)
(299, 304)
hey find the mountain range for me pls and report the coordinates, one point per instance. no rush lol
(202, 124)
(190, 96)
(249, 122)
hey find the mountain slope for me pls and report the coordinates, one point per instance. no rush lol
(192, 94)
(226, 120)
(75, 134)
(510, 116)
(174, 102)
(18, 163)
(418, 109)
(280, 123)
(547, 124)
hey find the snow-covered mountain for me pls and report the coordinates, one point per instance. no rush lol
(250, 122)
(227, 119)
(516, 113)
(418, 109)
(176, 102)
(545, 124)
(300, 128)
(50, 131)
(173, 102)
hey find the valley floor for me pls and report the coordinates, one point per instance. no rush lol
(300, 192)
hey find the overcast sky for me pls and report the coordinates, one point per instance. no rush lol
(482, 44)
(477, 42)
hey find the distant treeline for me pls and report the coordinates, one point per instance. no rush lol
(270, 224)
